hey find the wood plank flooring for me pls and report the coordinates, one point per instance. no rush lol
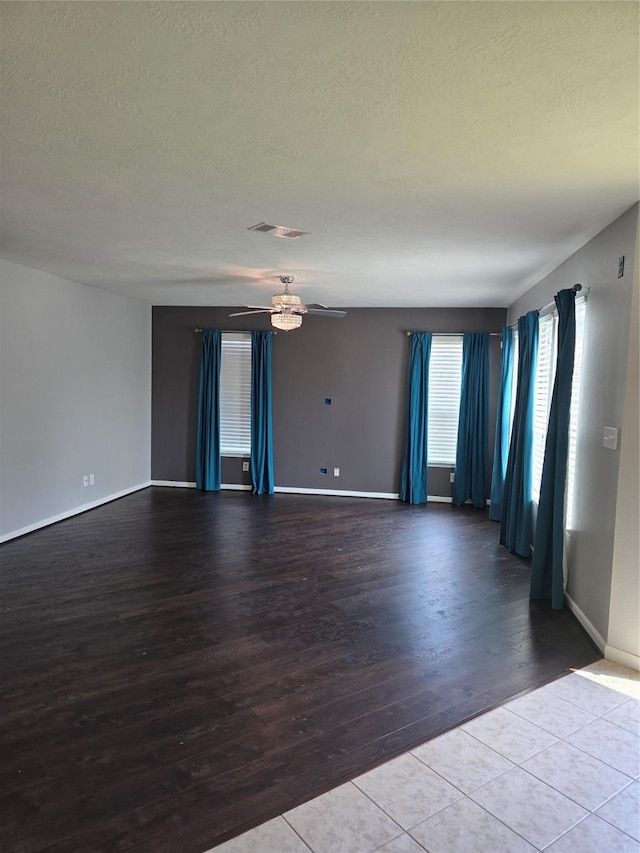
(177, 666)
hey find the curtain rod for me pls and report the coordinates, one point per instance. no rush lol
(450, 334)
(576, 289)
(239, 331)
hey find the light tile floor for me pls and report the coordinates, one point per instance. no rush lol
(554, 770)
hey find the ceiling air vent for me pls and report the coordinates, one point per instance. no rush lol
(277, 230)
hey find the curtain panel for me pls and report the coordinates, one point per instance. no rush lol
(515, 522)
(208, 438)
(473, 424)
(547, 568)
(501, 444)
(413, 481)
(262, 476)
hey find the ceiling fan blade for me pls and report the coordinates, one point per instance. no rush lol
(243, 313)
(261, 307)
(318, 305)
(321, 312)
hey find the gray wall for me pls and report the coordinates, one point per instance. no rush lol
(624, 611)
(360, 363)
(75, 395)
(604, 385)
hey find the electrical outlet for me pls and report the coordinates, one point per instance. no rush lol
(245, 466)
(452, 477)
(92, 479)
(85, 481)
(621, 267)
(336, 472)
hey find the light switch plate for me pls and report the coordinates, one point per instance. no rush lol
(610, 438)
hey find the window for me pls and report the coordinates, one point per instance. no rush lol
(235, 394)
(445, 377)
(542, 392)
(581, 305)
(514, 380)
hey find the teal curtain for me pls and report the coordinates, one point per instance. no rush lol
(208, 439)
(472, 449)
(515, 522)
(261, 421)
(413, 481)
(501, 445)
(548, 545)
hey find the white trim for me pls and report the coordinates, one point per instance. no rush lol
(176, 484)
(622, 658)
(595, 635)
(295, 490)
(70, 512)
(299, 490)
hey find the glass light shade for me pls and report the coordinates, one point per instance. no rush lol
(285, 300)
(286, 322)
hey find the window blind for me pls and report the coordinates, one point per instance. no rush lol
(445, 377)
(543, 389)
(514, 380)
(235, 394)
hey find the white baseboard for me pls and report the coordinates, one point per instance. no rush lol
(339, 493)
(595, 635)
(174, 484)
(299, 490)
(178, 484)
(71, 512)
(622, 658)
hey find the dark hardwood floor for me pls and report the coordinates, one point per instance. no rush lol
(177, 666)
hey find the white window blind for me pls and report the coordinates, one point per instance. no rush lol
(581, 304)
(445, 377)
(235, 394)
(514, 381)
(543, 390)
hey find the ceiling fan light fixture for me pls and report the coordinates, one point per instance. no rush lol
(285, 321)
(285, 300)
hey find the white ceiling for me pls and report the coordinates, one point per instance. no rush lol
(439, 153)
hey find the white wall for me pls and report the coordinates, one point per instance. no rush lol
(605, 383)
(623, 641)
(75, 396)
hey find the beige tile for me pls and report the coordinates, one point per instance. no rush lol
(617, 747)
(618, 678)
(581, 777)
(462, 760)
(276, 835)
(627, 716)
(407, 790)
(342, 821)
(593, 835)
(401, 844)
(623, 810)
(550, 712)
(465, 827)
(587, 693)
(532, 809)
(510, 735)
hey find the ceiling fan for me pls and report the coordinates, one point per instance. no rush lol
(287, 310)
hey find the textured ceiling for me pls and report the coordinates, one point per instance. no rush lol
(439, 153)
